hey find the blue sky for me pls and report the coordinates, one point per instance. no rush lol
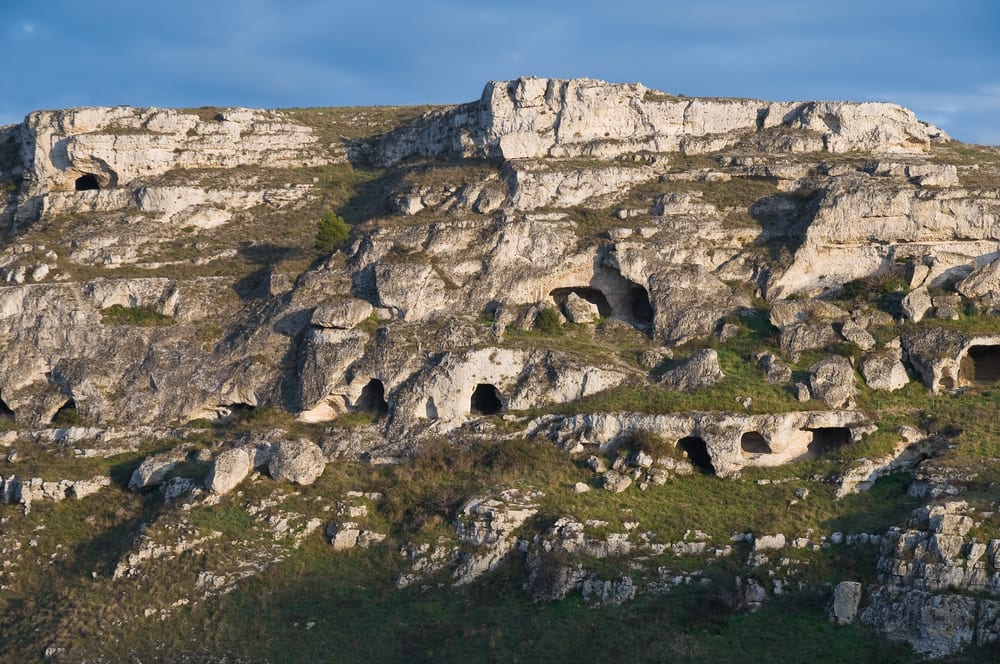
(942, 59)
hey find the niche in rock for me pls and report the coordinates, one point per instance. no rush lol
(696, 451)
(372, 399)
(592, 295)
(485, 400)
(6, 414)
(753, 442)
(67, 415)
(981, 365)
(87, 182)
(827, 439)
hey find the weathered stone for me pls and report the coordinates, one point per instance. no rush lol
(916, 304)
(229, 469)
(153, 470)
(579, 310)
(885, 371)
(845, 602)
(299, 461)
(857, 335)
(616, 482)
(699, 371)
(832, 381)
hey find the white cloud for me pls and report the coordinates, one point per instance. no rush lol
(28, 29)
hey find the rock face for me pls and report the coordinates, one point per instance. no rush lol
(523, 269)
(923, 575)
(533, 117)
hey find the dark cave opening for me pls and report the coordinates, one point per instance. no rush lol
(827, 439)
(485, 400)
(982, 366)
(753, 442)
(87, 182)
(639, 306)
(696, 450)
(6, 414)
(372, 399)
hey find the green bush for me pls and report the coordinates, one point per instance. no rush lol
(547, 321)
(134, 316)
(332, 231)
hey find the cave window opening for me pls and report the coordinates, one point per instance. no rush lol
(372, 399)
(753, 442)
(67, 415)
(827, 439)
(981, 365)
(593, 295)
(696, 450)
(485, 400)
(87, 182)
(6, 414)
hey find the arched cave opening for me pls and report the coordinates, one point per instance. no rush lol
(696, 450)
(753, 442)
(485, 400)
(372, 399)
(87, 182)
(639, 306)
(6, 414)
(593, 295)
(67, 415)
(981, 365)
(827, 439)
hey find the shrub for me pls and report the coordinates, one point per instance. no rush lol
(547, 321)
(134, 316)
(331, 231)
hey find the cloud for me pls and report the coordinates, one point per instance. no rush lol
(28, 29)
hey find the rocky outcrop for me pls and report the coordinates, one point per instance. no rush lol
(832, 382)
(529, 118)
(699, 371)
(924, 575)
(786, 436)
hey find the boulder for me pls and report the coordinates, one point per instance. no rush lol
(844, 606)
(299, 461)
(616, 482)
(885, 370)
(700, 370)
(832, 381)
(857, 335)
(579, 310)
(916, 304)
(153, 470)
(982, 281)
(229, 469)
(777, 371)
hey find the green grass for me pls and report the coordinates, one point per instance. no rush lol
(116, 314)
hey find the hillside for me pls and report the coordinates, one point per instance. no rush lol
(576, 368)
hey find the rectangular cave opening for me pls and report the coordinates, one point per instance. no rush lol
(828, 439)
(696, 450)
(981, 365)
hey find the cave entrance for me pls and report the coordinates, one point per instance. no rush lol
(485, 400)
(753, 443)
(981, 365)
(696, 450)
(593, 295)
(67, 415)
(827, 439)
(638, 304)
(372, 399)
(87, 182)
(6, 414)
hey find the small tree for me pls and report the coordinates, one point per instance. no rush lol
(331, 231)
(547, 321)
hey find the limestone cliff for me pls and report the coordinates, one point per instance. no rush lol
(668, 286)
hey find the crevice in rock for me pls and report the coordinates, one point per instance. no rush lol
(696, 450)
(6, 414)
